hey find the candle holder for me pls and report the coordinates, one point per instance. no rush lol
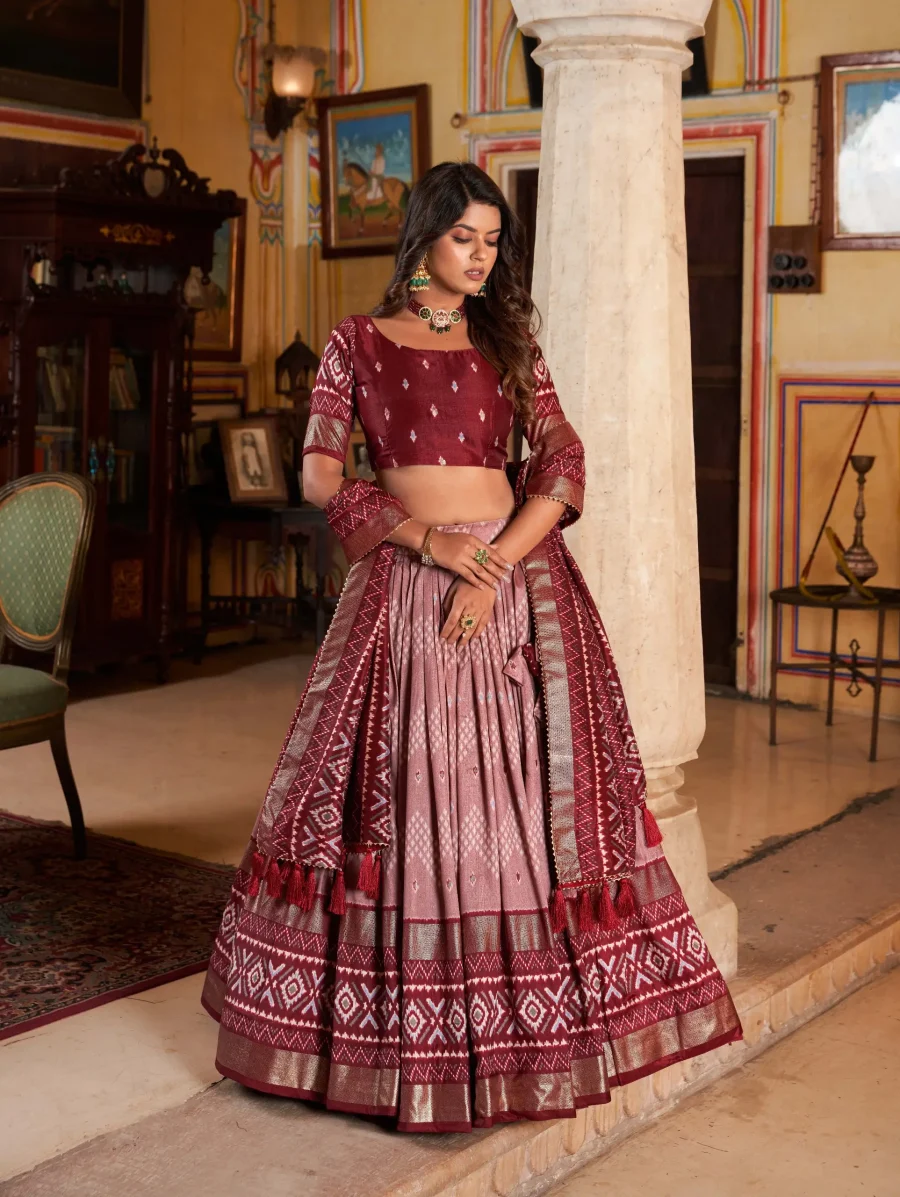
(861, 562)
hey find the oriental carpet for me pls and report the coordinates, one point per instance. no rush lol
(75, 934)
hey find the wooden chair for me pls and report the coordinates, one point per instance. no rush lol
(45, 529)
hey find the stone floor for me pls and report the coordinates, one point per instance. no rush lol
(806, 937)
(183, 767)
(816, 1114)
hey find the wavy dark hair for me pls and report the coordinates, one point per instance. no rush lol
(503, 324)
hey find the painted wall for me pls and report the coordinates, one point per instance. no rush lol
(809, 361)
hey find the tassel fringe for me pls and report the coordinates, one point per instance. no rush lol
(309, 897)
(273, 879)
(257, 872)
(295, 890)
(370, 874)
(626, 906)
(609, 920)
(338, 903)
(558, 911)
(367, 873)
(652, 833)
(585, 911)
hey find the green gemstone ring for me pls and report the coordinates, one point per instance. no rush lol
(482, 556)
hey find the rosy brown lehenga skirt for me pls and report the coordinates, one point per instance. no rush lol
(449, 1003)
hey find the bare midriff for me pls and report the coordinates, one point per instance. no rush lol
(449, 494)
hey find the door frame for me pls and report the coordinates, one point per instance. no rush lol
(746, 396)
(752, 137)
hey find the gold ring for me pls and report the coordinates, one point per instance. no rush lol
(467, 622)
(482, 556)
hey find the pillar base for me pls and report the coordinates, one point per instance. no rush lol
(714, 913)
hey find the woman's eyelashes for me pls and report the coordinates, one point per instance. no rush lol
(468, 241)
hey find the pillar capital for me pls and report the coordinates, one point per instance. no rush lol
(610, 29)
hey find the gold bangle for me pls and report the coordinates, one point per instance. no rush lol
(427, 558)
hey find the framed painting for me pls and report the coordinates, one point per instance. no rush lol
(219, 303)
(253, 460)
(357, 464)
(83, 55)
(861, 162)
(373, 146)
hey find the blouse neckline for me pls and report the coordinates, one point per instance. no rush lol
(412, 348)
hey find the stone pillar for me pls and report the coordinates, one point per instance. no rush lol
(611, 284)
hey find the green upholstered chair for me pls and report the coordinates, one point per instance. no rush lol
(45, 528)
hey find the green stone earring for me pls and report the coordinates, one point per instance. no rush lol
(421, 278)
(482, 292)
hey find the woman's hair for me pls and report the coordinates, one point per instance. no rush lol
(503, 324)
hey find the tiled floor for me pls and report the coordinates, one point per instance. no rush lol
(183, 767)
(816, 1114)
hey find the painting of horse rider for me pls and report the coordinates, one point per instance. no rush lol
(373, 147)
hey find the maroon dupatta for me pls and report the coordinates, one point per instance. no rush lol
(331, 790)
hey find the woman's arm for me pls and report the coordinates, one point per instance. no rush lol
(531, 523)
(551, 485)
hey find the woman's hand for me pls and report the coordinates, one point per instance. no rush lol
(465, 599)
(456, 551)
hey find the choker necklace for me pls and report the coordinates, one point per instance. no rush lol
(439, 319)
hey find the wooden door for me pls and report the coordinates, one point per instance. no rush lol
(526, 195)
(714, 206)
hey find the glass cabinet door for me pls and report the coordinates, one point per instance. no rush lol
(60, 396)
(125, 457)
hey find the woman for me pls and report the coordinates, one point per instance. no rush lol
(455, 910)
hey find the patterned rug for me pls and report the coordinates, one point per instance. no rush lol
(75, 934)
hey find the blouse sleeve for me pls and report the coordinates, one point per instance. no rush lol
(556, 465)
(331, 402)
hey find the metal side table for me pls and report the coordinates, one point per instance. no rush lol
(847, 600)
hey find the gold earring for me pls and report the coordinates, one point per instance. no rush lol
(421, 277)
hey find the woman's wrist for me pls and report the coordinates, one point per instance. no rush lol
(410, 535)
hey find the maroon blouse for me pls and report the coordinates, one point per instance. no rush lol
(416, 406)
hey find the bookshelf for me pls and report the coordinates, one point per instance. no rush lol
(95, 340)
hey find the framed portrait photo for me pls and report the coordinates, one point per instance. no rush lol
(861, 163)
(219, 304)
(373, 147)
(83, 55)
(253, 461)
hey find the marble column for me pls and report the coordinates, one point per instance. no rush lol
(611, 284)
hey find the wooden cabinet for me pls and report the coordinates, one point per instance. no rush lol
(95, 369)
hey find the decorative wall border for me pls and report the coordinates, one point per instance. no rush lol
(65, 128)
(348, 44)
(795, 394)
(760, 22)
(755, 138)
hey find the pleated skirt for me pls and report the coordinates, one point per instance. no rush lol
(448, 1003)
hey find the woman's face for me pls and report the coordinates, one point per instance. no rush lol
(464, 256)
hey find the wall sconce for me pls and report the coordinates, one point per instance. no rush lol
(291, 85)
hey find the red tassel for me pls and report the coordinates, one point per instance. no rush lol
(609, 920)
(367, 873)
(309, 897)
(652, 833)
(257, 872)
(626, 905)
(273, 879)
(375, 893)
(585, 911)
(338, 903)
(558, 911)
(295, 891)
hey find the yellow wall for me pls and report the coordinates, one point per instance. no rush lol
(831, 346)
(838, 341)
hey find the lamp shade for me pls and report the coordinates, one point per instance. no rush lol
(293, 72)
